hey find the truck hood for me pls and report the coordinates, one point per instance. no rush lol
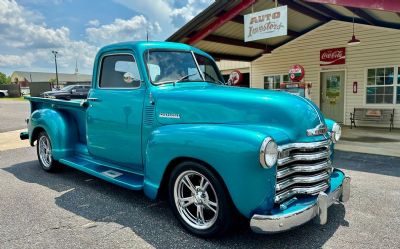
(192, 103)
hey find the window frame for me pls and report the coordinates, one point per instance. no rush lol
(117, 88)
(281, 75)
(395, 86)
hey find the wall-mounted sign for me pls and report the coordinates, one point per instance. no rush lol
(332, 56)
(296, 73)
(265, 24)
(235, 78)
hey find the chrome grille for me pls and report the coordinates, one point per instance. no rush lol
(303, 169)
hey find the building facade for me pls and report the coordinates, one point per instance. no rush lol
(369, 78)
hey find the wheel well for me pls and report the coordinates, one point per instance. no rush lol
(35, 134)
(2, 94)
(163, 190)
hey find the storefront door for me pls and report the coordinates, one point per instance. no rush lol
(332, 94)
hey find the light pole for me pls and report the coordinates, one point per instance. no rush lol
(55, 61)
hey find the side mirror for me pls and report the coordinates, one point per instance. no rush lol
(73, 91)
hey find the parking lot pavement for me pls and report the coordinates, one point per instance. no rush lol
(13, 114)
(71, 209)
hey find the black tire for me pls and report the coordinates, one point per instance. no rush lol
(224, 211)
(47, 163)
(2, 95)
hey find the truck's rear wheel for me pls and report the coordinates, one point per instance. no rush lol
(199, 200)
(44, 153)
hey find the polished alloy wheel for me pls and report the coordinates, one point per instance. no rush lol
(45, 151)
(196, 200)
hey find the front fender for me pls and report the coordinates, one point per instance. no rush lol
(60, 128)
(232, 151)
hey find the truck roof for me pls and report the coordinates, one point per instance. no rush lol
(142, 46)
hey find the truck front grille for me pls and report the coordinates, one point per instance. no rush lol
(303, 169)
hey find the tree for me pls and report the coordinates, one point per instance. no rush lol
(52, 81)
(4, 79)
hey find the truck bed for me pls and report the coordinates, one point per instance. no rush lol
(71, 109)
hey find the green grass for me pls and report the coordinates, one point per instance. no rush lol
(13, 98)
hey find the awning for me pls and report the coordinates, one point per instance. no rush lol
(219, 29)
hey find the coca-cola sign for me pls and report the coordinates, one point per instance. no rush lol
(332, 56)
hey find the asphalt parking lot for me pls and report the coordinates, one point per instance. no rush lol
(71, 209)
(13, 114)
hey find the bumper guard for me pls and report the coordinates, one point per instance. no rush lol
(278, 222)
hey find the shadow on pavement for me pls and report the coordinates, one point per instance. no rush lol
(377, 164)
(101, 201)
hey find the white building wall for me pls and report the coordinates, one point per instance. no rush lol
(379, 47)
(227, 66)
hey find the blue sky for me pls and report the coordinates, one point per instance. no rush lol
(31, 29)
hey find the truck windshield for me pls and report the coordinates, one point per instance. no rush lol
(171, 66)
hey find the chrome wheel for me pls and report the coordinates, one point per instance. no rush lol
(45, 151)
(196, 200)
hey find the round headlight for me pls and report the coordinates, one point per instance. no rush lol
(268, 153)
(336, 132)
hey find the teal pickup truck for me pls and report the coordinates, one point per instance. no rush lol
(160, 119)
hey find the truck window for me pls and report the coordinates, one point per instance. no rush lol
(170, 66)
(119, 71)
(209, 69)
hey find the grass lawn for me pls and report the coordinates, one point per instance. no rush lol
(13, 98)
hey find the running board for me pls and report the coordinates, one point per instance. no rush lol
(119, 177)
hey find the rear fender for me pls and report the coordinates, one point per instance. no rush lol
(60, 128)
(231, 151)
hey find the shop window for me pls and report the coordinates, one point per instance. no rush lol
(398, 86)
(272, 82)
(380, 85)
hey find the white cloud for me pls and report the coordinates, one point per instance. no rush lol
(187, 12)
(94, 23)
(122, 30)
(18, 30)
(166, 13)
(16, 60)
(26, 41)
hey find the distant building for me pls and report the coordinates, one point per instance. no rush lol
(25, 78)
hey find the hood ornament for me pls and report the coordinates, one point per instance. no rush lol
(318, 130)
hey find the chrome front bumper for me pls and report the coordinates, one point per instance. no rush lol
(282, 222)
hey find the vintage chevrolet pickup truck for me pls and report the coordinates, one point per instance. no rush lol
(159, 119)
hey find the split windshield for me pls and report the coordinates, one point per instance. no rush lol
(180, 66)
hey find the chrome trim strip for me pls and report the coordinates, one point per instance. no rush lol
(304, 157)
(312, 145)
(302, 179)
(282, 222)
(283, 172)
(302, 190)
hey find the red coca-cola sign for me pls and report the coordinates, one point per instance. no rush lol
(296, 73)
(332, 56)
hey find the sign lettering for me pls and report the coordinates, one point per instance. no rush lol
(265, 24)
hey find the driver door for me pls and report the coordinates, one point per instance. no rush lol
(114, 115)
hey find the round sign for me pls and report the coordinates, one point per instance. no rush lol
(296, 73)
(235, 78)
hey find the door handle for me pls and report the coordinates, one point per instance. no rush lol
(93, 99)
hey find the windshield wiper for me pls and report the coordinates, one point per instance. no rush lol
(214, 80)
(184, 78)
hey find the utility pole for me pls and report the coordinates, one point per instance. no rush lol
(55, 61)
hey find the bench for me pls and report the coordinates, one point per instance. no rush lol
(372, 114)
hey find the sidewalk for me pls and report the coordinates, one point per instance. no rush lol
(371, 140)
(10, 140)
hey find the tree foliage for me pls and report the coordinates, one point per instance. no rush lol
(4, 79)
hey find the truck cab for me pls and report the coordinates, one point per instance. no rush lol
(158, 118)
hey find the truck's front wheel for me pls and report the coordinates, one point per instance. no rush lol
(199, 200)
(44, 152)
